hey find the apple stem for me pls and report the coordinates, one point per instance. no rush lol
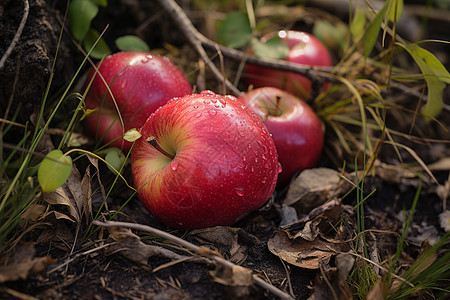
(277, 105)
(154, 143)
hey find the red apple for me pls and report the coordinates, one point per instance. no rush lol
(295, 128)
(140, 82)
(304, 49)
(203, 160)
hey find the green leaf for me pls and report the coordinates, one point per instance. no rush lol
(131, 43)
(358, 23)
(395, 10)
(101, 49)
(235, 31)
(333, 36)
(435, 76)
(372, 32)
(132, 135)
(80, 15)
(273, 48)
(115, 158)
(54, 170)
(103, 3)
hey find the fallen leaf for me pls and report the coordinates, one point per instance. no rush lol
(130, 246)
(377, 291)
(21, 263)
(59, 197)
(234, 276)
(34, 212)
(226, 239)
(313, 187)
(299, 252)
(318, 219)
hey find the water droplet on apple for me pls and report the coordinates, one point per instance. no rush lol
(239, 191)
(212, 112)
(207, 92)
(280, 168)
(256, 159)
(174, 165)
(206, 101)
(264, 180)
(267, 166)
(146, 59)
(124, 84)
(264, 157)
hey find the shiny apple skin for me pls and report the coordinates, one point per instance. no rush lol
(225, 164)
(140, 82)
(305, 49)
(297, 132)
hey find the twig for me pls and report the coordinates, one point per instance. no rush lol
(195, 38)
(26, 9)
(199, 40)
(200, 250)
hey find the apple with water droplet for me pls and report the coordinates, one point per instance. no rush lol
(140, 83)
(296, 129)
(305, 49)
(203, 160)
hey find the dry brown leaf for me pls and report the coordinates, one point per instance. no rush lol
(21, 264)
(34, 212)
(301, 243)
(299, 252)
(59, 197)
(377, 291)
(87, 196)
(313, 187)
(344, 264)
(318, 219)
(130, 246)
(235, 276)
(227, 240)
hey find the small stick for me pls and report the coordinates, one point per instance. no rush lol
(26, 9)
(195, 248)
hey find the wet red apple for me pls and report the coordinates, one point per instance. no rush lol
(295, 128)
(203, 160)
(140, 82)
(305, 49)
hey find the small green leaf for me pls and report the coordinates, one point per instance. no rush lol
(333, 36)
(103, 3)
(395, 10)
(115, 158)
(435, 76)
(273, 48)
(101, 49)
(235, 30)
(132, 135)
(54, 170)
(80, 15)
(131, 43)
(358, 23)
(372, 32)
